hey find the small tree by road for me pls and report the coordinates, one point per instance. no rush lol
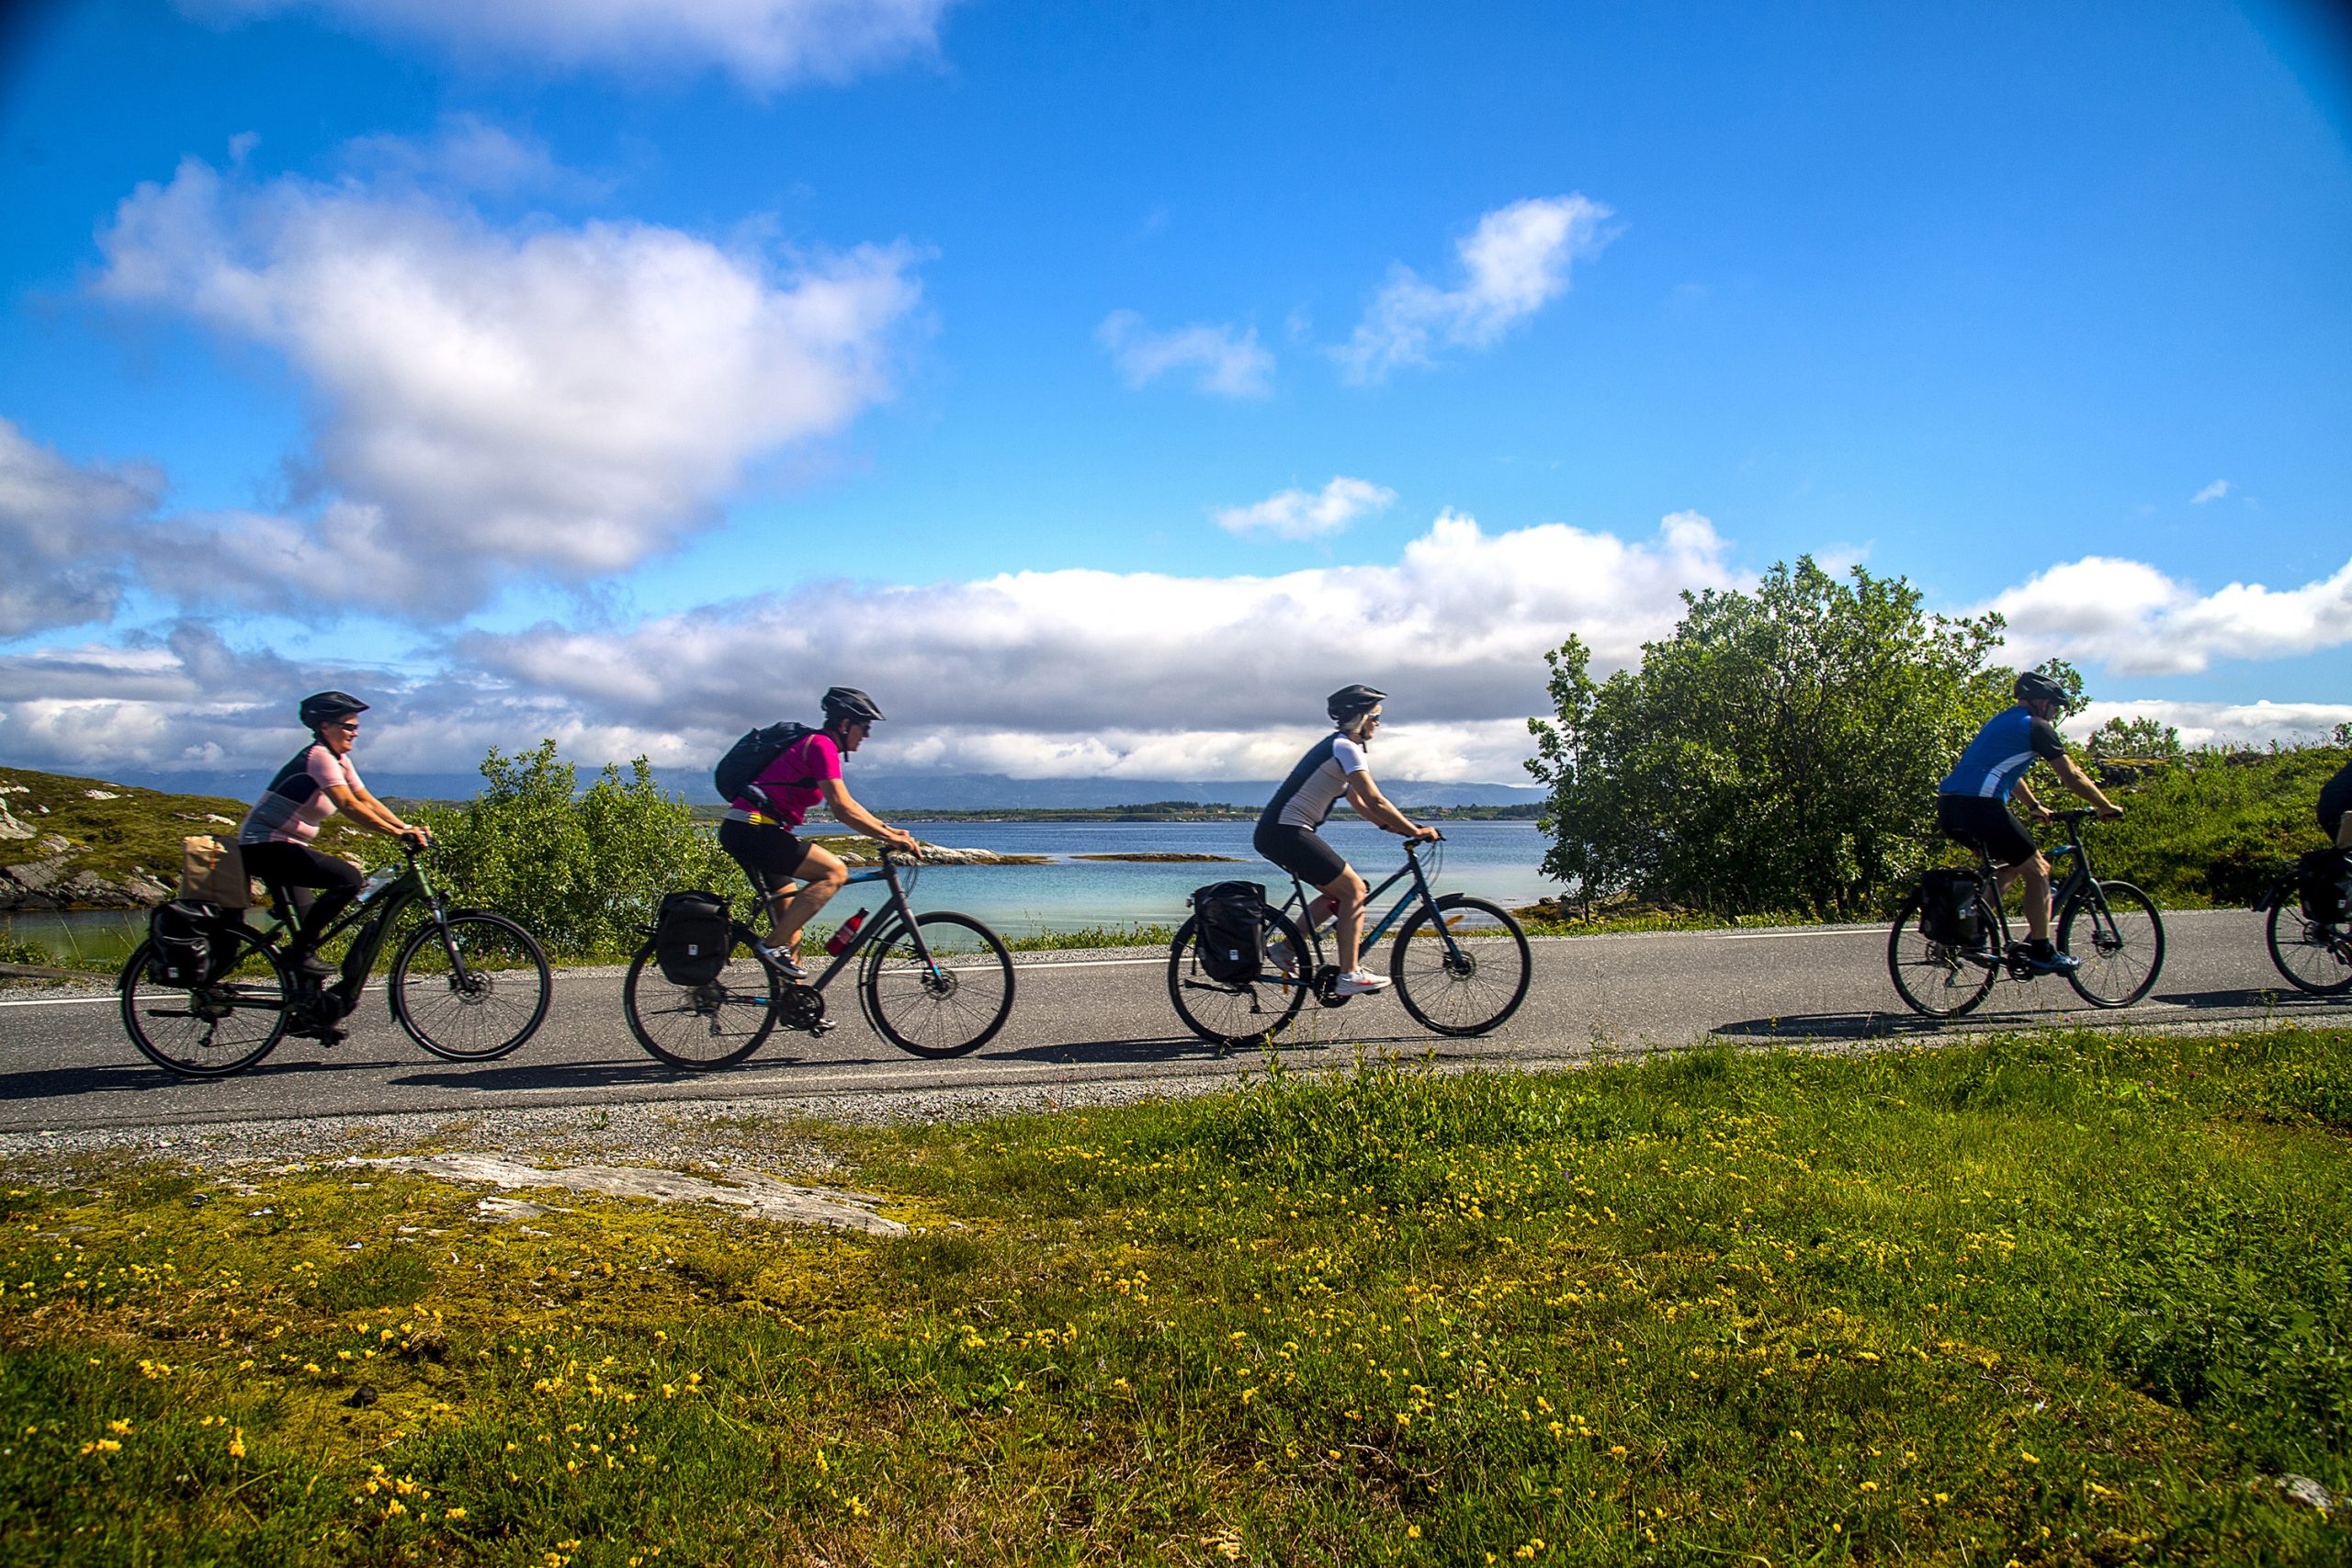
(1780, 751)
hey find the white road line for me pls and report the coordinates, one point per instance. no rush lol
(1826, 930)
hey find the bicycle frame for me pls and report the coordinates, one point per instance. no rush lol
(883, 928)
(2079, 883)
(1418, 897)
(372, 919)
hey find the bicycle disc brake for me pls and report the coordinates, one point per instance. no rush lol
(801, 1007)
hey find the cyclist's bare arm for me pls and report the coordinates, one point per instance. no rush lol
(851, 815)
(368, 811)
(1374, 807)
(2070, 774)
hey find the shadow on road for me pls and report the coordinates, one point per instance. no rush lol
(142, 1077)
(2285, 1002)
(1166, 1048)
(1847, 1025)
(620, 1072)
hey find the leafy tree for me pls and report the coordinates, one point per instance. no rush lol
(2140, 740)
(1780, 751)
(583, 869)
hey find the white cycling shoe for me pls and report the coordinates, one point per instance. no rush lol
(1359, 983)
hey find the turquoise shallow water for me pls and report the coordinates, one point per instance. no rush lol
(1494, 860)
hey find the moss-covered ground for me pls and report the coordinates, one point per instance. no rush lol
(2054, 1299)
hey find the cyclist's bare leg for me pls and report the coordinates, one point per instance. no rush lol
(821, 875)
(1343, 898)
(2036, 872)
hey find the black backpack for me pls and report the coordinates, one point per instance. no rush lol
(2324, 882)
(1230, 930)
(1950, 911)
(750, 757)
(181, 943)
(692, 936)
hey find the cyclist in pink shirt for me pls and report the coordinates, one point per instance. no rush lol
(758, 828)
(274, 839)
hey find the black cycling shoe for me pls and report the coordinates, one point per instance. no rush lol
(311, 966)
(2050, 963)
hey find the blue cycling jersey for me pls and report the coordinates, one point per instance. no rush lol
(2001, 754)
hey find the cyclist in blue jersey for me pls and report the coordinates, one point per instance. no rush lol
(1971, 804)
(1286, 832)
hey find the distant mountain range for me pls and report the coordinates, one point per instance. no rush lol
(887, 791)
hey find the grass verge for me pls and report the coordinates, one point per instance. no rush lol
(2054, 1299)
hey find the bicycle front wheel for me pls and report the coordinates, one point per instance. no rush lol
(954, 1004)
(1938, 979)
(472, 988)
(1230, 1013)
(224, 1026)
(1463, 972)
(2127, 944)
(715, 1025)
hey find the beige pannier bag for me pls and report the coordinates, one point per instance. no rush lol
(212, 871)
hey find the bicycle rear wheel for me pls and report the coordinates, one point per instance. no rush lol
(2127, 946)
(1228, 1013)
(213, 1030)
(476, 996)
(945, 1008)
(1936, 979)
(1471, 986)
(2314, 956)
(715, 1025)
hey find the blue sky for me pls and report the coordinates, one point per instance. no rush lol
(1099, 385)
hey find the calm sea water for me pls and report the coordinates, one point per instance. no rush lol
(1493, 859)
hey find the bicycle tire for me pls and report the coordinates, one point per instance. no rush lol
(702, 1028)
(1225, 1013)
(2295, 939)
(495, 996)
(1935, 979)
(2111, 974)
(254, 984)
(951, 1012)
(1456, 993)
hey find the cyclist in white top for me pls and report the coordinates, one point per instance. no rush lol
(1286, 834)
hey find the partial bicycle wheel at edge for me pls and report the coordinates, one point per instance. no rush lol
(477, 995)
(1237, 1014)
(951, 1005)
(2125, 947)
(1471, 985)
(223, 1027)
(715, 1025)
(2314, 957)
(1937, 980)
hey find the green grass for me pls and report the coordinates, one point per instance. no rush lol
(2054, 1299)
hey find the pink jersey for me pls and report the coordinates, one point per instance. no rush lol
(792, 782)
(298, 799)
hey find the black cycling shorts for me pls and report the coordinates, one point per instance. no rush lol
(768, 853)
(1983, 823)
(1301, 852)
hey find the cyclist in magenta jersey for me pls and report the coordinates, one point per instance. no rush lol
(758, 829)
(274, 839)
(1286, 833)
(1971, 804)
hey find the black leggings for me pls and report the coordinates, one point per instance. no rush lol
(294, 869)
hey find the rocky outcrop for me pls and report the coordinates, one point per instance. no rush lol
(49, 881)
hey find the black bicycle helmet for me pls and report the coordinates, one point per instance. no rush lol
(2034, 686)
(849, 703)
(321, 706)
(1351, 702)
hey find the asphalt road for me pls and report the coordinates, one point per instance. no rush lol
(1086, 1018)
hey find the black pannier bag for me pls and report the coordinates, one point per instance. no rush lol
(1230, 930)
(180, 936)
(749, 757)
(1950, 911)
(691, 938)
(2324, 882)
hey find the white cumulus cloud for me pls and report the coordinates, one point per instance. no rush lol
(2214, 491)
(2135, 620)
(63, 527)
(557, 401)
(1229, 363)
(763, 42)
(1513, 263)
(2222, 724)
(1307, 514)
